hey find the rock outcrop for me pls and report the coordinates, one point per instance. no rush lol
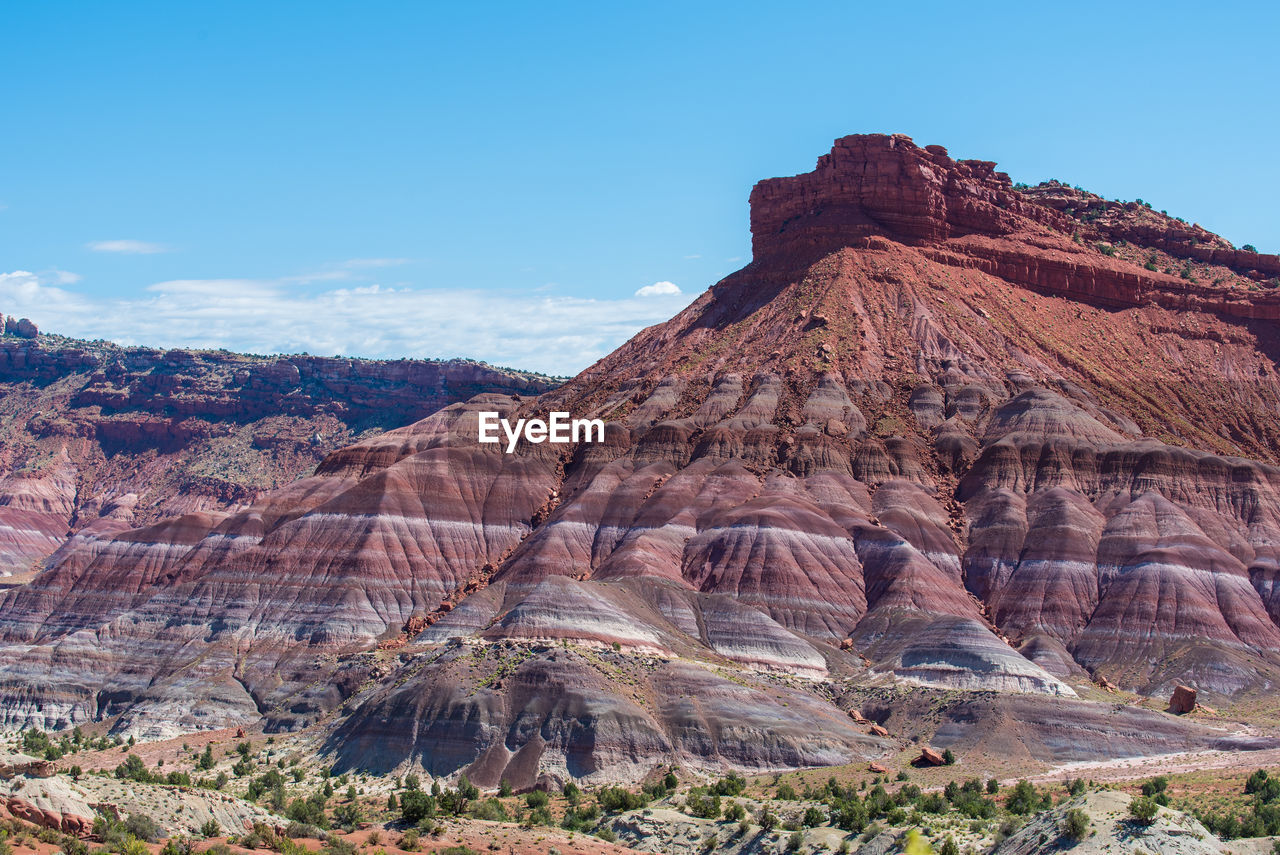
(926, 439)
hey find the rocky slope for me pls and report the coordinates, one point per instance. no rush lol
(102, 438)
(931, 436)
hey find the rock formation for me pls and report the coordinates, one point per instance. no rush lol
(98, 438)
(933, 436)
(1183, 700)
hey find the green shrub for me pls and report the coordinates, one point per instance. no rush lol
(703, 805)
(616, 800)
(491, 810)
(416, 806)
(1143, 810)
(1075, 825)
(142, 827)
(1023, 799)
(732, 784)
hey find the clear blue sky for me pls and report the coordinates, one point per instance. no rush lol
(498, 180)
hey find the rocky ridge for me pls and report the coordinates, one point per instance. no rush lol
(928, 438)
(104, 438)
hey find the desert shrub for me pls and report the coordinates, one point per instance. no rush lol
(617, 799)
(732, 784)
(538, 816)
(415, 806)
(307, 812)
(537, 799)
(1143, 810)
(296, 830)
(580, 818)
(785, 792)
(1023, 799)
(210, 828)
(335, 845)
(348, 816)
(491, 810)
(142, 827)
(702, 804)
(133, 769)
(1075, 825)
(409, 841)
(76, 846)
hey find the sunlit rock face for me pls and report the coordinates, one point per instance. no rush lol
(97, 438)
(926, 439)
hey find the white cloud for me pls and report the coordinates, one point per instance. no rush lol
(63, 277)
(536, 331)
(659, 289)
(127, 247)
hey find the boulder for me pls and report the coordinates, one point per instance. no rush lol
(1183, 700)
(930, 757)
(877, 730)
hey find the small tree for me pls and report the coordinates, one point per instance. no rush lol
(416, 806)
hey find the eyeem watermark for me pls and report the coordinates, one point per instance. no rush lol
(558, 428)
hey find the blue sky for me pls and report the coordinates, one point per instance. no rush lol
(500, 180)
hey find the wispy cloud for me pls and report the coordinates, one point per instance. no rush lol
(659, 289)
(127, 247)
(538, 331)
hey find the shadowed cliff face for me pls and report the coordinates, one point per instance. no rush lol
(927, 438)
(97, 438)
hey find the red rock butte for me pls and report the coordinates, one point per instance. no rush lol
(973, 459)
